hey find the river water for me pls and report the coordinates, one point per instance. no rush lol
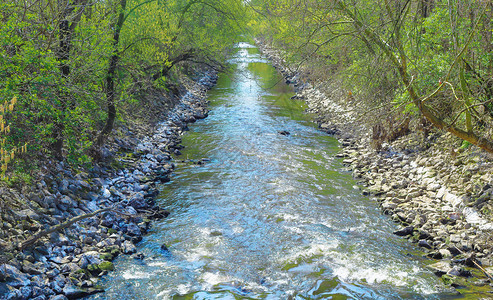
(267, 215)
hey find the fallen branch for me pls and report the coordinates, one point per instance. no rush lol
(477, 265)
(30, 241)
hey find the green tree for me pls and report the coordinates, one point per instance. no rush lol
(430, 54)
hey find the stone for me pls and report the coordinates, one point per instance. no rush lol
(455, 238)
(433, 187)
(106, 193)
(440, 268)
(128, 248)
(405, 231)
(30, 268)
(137, 201)
(14, 277)
(138, 256)
(424, 244)
(106, 266)
(92, 206)
(445, 253)
(72, 292)
(459, 271)
(133, 230)
(69, 268)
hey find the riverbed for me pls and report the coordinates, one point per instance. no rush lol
(261, 208)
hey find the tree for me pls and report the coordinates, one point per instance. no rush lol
(433, 50)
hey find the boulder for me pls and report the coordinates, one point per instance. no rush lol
(405, 231)
(440, 268)
(14, 277)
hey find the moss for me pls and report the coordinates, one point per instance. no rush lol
(447, 279)
(111, 231)
(106, 266)
(93, 268)
(80, 271)
(106, 256)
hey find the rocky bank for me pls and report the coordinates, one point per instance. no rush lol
(66, 263)
(440, 193)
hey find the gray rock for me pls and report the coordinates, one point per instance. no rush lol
(72, 292)
(30, 268)
(57, 284)
(13, 295)
(59, 297)
(433, 187)
(137, 201)
(405, 231)
(53, 273)
(106, 193)
(455, 238)
(424, 244)
(128, 248)
(26, 292)
(440, 268)
(15, 278)
(69, 268)
(92, 206)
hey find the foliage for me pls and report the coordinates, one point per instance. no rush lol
(6, 155)
(428, 56)
(55, 58)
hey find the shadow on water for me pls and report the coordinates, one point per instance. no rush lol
(268, 216)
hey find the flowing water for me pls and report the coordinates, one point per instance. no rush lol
(267, 216)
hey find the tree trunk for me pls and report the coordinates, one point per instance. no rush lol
(399, 62)
(110, 77)
(66, 31)
(182, 57)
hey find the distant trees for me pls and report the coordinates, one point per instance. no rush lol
(427, 57)
(71, 64)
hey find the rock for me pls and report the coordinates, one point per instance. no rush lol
(440, 268)
(13, 276)
(405, 231)
(108, 220)
(73, 292)
(433, 187)
(65, 202)
(28, 214)
(445, 253)
(424, 244)
(137, 201)
(133, 230)
(53, 273)
(92, 206)
(139, 256)
(69, 268)
(58, 297)
(106, 193)
(458, 271)
(30, 268)
(128, 248)
(284, 132)
(106, 266)
(455, 238)
(26, 292)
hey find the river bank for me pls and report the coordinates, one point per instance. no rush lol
(435, 189)
(66, 263)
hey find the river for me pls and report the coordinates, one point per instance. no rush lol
(267, 215)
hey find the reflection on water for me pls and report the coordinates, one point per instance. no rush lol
(269, 216)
